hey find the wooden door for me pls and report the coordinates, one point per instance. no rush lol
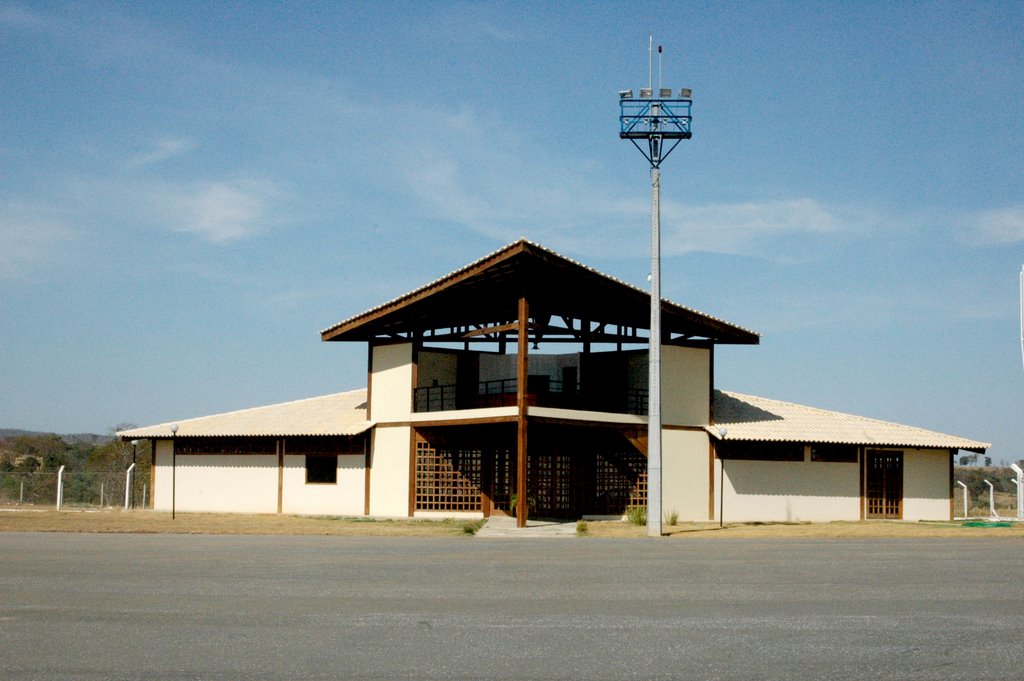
(884, 476)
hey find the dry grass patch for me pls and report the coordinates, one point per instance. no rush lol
(837, 530)
(157, 522)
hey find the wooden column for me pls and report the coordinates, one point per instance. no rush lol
(522, 374)
(280, 475)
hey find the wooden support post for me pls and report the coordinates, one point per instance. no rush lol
(522, 375)
(280, 475)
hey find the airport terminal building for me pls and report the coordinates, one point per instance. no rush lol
(527, 371)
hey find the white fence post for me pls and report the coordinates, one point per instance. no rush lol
(60, 487)
(1020, 489)
(991, 498)
(144, 496)
(128, 485)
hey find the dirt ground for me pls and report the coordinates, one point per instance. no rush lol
(835, 530)
(34, 519)
(25, 519)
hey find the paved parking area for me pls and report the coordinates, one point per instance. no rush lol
(78, 606)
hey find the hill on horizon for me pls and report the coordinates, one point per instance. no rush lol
(70, 438)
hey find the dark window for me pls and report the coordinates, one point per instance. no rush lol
(322, 469)
(761, 451)
(832, 453)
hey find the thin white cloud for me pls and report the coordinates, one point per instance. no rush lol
(162, 150)
(739, 228)
(498, 186)
(998, 226)
(221, 212)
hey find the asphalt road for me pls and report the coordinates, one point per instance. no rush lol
(241, 607)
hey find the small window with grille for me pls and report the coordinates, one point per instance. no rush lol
(321, 470)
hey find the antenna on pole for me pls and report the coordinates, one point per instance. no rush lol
(650, 63)
(659, 67)
(656, 117)
(1022, 313)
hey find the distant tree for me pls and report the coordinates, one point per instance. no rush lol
(48, 448)
(27, 464)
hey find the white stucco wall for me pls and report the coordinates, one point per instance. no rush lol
(684, 472)
(790, 491)
(345, 497)
(389, 471)
(391, 383)
(926, 484)
(161, 476)
(685, 386)
(230, 483)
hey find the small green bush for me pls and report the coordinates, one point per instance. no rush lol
(672, 517)
(472, 526)
(637, 515)
(582, 530)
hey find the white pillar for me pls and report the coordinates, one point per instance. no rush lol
(1020, 490)
(60, 487)
(128, 485)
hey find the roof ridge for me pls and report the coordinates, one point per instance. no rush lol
(523, 241)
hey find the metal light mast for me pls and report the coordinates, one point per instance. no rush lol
(659, 120)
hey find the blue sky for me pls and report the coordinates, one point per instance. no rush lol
(190, 192)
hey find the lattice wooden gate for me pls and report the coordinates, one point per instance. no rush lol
(447, 479)
(620, 481)
(884, 484)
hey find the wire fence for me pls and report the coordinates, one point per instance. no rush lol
(81, 488)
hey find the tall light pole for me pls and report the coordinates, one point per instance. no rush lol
(659, 120)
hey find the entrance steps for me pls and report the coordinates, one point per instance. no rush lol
(505, 526)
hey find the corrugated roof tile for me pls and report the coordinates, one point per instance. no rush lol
(753, 418)
(337, 414)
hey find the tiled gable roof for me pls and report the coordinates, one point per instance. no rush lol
(750, 418)
(337, 414)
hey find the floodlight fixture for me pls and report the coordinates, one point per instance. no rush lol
(685, 93)
(625, 94)
(665, 93)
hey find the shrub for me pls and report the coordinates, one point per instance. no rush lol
(637, 515)
(472, 526)
(582, 530)
(672, 517)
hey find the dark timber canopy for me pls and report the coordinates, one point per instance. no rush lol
(569, 302)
